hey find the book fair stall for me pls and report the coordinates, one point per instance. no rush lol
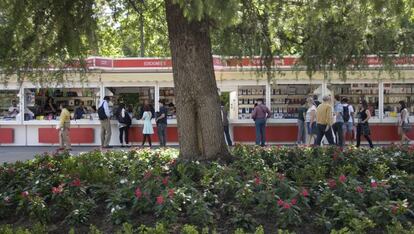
(29, 113)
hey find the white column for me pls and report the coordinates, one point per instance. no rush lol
(381, 100)
(268, 95)
(157, 97)
(21, 103)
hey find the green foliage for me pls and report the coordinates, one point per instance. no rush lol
(328, 189)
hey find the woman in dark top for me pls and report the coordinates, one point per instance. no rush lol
(363, 128)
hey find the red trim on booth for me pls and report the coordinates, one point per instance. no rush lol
(288, 133)
(142, 63)
(135, 134)
(6, 135)
(77, 135)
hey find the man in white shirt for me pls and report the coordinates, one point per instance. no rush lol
(105, 119)
(348, 117)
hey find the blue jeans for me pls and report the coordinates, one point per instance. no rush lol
(260, 131)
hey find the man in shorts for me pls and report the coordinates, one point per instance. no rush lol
(349, 120)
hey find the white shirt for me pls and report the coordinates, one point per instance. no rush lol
(106, 108)
(308, 113)
(350, 110)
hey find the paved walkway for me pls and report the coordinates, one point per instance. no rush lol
(23, 153)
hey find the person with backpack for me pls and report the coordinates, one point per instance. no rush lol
(260, 115)
(339, 121)
(404, 123)
(124, 122)
(104, 117)
(349, 120)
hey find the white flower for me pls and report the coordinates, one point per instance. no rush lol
(397, 154)
(123, 181)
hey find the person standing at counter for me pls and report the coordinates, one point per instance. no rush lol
(301, 123)
(260, 115)
(311, 120)
(124, 122)
(64, 126)
(147, 129)
(404, 123)
(363, 128)
(339, 121)
(80, 111)
(162, 124)
(349, 120)
(225, 119)
(324, 121)
(104, 117)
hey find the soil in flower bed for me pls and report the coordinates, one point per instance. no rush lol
(300, 189)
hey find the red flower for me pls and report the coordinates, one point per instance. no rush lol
(147, 175)
(57, 190)
(280, 202)
(293, 201)
(394, 209)
(305, 193)
(359, 189)
(76, 183)
(171, 193)
(165, 181)
(286, 206)
(342, 178)
(138, 193)
(160, 200)
(281, 176)
(25, 194)
(374, 184)
(257, 181)
(173, 162)
(331, 183)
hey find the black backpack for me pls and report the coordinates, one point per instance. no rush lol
(101, 113)
(126, 120)
(345, 115)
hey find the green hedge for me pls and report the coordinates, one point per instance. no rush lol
(292, 188)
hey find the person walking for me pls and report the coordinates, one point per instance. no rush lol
(64, 126)
(339, 121)
(404, 123)
(147, 129)
(311, 120)
(162, 124)
(324, 121)
(260, 115)
(363, 128)
(124, 122)
(104, 117)
(301, 123)
(225, 119)
(349, 120)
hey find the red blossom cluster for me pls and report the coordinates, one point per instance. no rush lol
(58, 189)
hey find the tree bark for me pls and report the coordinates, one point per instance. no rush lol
(200, 128)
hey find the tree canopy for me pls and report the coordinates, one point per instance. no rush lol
(327, 35)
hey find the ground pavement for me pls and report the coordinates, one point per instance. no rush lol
(23, 153)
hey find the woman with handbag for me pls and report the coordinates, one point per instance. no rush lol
(363, 128)
(404, 123)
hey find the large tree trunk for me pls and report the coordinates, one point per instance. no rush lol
(200, 128)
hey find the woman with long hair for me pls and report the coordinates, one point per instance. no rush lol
(147, 129)
(404, 123)
(363, 128)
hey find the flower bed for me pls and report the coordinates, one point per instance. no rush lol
(307, 190)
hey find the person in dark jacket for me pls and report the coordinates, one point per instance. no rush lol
(225, 119)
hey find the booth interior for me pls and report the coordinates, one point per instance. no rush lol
(9, 105)
(45, 103)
